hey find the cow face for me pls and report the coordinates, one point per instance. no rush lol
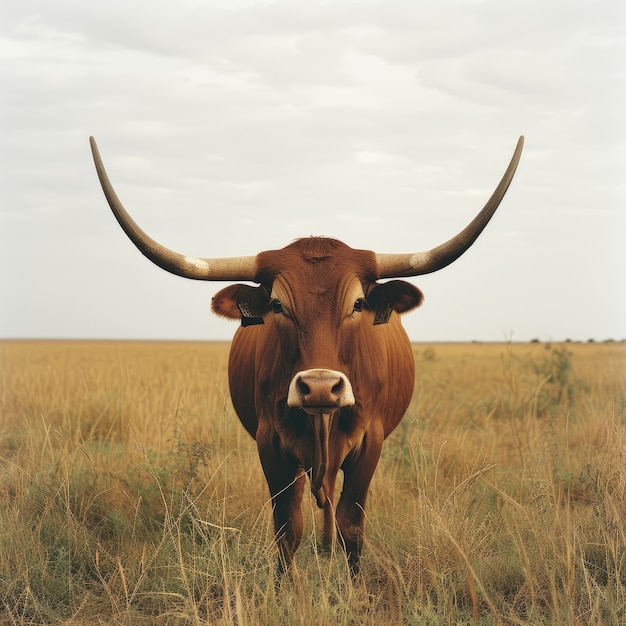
(318, 299)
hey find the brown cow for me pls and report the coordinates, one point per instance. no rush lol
(321, 370)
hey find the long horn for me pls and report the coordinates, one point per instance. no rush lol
(392, 265)
(234, 268)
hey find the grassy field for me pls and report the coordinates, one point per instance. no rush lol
(130, 494)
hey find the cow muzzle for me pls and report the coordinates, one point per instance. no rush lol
(315, 389)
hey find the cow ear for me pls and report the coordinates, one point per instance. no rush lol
(241, 302)
(395, 295)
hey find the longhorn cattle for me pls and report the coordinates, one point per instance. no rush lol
(320, 370)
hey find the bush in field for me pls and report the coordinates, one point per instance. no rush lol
(557, 388)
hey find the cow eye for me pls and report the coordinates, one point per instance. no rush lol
(277, 307)
(359, 305)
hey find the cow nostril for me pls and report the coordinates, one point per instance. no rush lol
(338, 387)
(303, 389)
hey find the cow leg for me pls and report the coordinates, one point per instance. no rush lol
(288, 524)
(287, 512)
(358, 472)
(286, 482)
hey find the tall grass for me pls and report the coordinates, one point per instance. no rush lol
(130, 494)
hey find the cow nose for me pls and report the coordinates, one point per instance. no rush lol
(317, 388)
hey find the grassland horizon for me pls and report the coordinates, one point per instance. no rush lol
(130, 493)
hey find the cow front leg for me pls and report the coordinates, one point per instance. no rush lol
(286, 482)
(288, 523)
(358, 472)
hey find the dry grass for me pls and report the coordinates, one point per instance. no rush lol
(129, 493)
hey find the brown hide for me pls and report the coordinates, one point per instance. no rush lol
(317, 325)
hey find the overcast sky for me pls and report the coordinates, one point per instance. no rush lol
(233, 126)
